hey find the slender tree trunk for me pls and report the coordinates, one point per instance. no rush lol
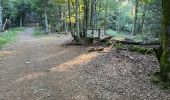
(77, 19)
(65, 24)
(85, 21)
(165, 42)
(46, 20)
(134, 30)
(100, 5)
(1, 22)
(92, 7)
(143, 19)
(94, 14)
(106, 13)
(89, 13)
(4, 25)
(69, 14)
(21, 21)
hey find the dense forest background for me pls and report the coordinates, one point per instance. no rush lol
(130, 17)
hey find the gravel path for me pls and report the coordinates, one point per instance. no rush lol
(45, 69)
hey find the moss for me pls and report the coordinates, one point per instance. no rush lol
(119, 46)
(158, 52)
(165, 65)
(134, 48)
(109, 42)
(156, 79)
(140, 49)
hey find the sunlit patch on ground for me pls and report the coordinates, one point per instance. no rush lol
(84, 58)
(31, 76)
(6, 53)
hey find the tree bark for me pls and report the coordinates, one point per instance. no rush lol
(1, 22)
(143, 19)
(21, 21)
(106, 14)
(93, 14)
(69, 14)
(165, 42)
(134, 30)
(6, 21)
(46, 20)
(77, 19)
(85, 20)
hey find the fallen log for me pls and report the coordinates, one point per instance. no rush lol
(106, 39)
(134, 43)
(92, 49)
(74, 43)
(128, 41)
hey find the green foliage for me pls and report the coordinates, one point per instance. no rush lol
(140, 49)
(109, 43)
(134, 48)
(119, 46)
(2, 41)
(156, 79)
(38, 32)
(8, 36)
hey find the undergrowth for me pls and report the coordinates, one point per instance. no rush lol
(38, 32)
(135, 38)
(9, 35)
(155, 78)
(134, 48)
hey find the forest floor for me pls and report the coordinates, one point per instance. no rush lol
(46, 69)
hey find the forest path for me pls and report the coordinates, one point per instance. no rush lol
(25, 66)
(45, 69)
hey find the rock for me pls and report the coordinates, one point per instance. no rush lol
(27, 62)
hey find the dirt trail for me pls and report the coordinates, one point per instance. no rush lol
(44, 69)
(25, 73)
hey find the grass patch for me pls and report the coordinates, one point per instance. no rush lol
(157, 80)
(9, 35)
(134, 48)
(38, 32)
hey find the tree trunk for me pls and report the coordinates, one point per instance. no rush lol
(65, 23)
(1, 22)
(106, 13)
(143, 19)
(93, 14)
(21, 21)
(46, 20)
(6, 21)
(77, 19)
(85, 20)
(165, 42)
(69, 14)
(134, 31)
(100, 6)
